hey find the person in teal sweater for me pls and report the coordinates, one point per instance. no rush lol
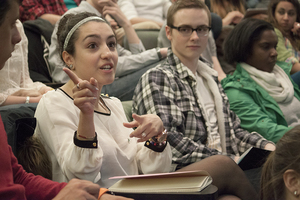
(260, 91)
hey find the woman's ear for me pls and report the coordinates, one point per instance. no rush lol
(68, 59)
(291, 180)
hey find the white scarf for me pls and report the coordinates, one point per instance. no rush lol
(206, 72)
(276, 83)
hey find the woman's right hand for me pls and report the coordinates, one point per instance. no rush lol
(85, 93)
(296, 29)
(232, 17)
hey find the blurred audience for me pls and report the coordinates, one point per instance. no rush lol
(231, 11)
(138, 11)
(50, 10)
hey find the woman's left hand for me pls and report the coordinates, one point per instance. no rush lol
(148, 125)
(296, 29)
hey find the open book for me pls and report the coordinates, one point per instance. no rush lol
(175, 182)
(253, 158)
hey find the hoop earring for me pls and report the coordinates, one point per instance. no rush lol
(296, 193)
(70, 66)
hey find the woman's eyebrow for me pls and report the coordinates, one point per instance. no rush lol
(93, 35)
(112, 36)
(98, 36)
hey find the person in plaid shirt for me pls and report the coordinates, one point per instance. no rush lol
(185, 93)
(50, 10)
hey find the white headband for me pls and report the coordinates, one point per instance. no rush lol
(71, 32)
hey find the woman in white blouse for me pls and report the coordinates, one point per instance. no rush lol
(83, 131)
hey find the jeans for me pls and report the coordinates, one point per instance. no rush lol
(296, 78)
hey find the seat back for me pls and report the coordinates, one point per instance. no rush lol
(38, 33)
(147, 36)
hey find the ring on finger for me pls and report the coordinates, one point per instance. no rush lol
(298, 24)
(144, 134)
(77, 85)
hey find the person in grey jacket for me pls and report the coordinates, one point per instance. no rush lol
(131, 64)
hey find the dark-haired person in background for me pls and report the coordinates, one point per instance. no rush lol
(260, 91)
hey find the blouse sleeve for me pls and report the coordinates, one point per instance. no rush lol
(57, 122)
(150, 161)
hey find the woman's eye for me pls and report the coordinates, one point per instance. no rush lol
(112, 44)
(92, 46)
(291, 13)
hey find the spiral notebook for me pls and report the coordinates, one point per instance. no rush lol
(174, 182)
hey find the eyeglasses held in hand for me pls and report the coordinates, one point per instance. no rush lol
(187, 30)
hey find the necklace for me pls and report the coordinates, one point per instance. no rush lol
(103, 105)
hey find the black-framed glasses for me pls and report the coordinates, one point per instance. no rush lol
(188, 30)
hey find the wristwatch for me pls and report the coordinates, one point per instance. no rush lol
(158, 53)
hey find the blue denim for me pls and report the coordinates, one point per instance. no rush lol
(296, 78)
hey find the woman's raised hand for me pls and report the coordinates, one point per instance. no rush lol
(148, 125)
(232, 17)
(296, 29)
(85, 93)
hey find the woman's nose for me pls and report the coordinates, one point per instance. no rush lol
(274, 53)
(106, 54)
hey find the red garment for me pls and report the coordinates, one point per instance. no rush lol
(32, 9)
(15, 183)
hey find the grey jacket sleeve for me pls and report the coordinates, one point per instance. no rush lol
(131, 63)
(55, 62)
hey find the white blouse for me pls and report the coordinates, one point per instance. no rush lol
(15, 73)
(116, 155)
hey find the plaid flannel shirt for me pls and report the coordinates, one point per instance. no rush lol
(32, 9)
(169, 91)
